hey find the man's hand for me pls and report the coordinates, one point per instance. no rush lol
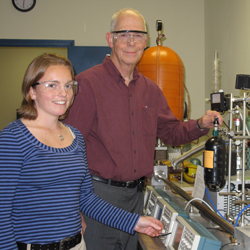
(84, 225)
(207, 120)
(149, 225)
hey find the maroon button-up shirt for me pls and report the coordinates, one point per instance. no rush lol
(120, 123)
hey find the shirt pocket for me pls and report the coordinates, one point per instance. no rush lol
(149, 121)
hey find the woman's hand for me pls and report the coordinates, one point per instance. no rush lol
(149, 225)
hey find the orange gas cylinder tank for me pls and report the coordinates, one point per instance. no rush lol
(165, 68)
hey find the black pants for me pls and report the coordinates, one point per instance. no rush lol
(101, 237)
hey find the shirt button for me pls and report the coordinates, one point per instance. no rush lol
(133, 132)
(131, 95)
(135, 171)
(132, 113)
(135, 151)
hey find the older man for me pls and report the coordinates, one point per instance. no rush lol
(120, 113)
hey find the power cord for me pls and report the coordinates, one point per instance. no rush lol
(236, 223)
(199, 200)
(215, 206)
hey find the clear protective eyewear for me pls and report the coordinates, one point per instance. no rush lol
(55, 87)
(125, 36)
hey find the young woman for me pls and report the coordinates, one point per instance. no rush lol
(44, 177)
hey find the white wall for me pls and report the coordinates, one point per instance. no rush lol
(87, 22)
(227, 30)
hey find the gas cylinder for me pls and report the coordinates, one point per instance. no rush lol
(165, 68)
(215, 161)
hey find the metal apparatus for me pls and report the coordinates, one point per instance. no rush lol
(203, 209)
(160, 168)
(230, 193)
(220, 199)
(236, 107)
(188, 154)
(236, 136)
(234, 199)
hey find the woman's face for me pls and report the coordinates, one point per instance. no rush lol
(51, 97)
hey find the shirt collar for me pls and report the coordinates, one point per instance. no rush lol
(110, 66)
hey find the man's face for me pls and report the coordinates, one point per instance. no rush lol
(128, 53)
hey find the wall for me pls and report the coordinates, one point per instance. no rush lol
(87, 22)
(13, 63)
(227, 31)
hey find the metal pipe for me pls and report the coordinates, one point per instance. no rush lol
(241, 137)
(241, 202)
(229, 155)
(238, 99)
(243, 158)
(203, 209)
(226, 193)
(186, 155)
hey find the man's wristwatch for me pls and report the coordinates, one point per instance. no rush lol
(198, 125)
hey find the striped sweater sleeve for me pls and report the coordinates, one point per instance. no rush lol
(10, 167)
(102, 211)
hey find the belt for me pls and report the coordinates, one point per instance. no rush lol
(64, 244)
(127, 184)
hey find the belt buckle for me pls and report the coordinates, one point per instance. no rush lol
(128, 183)
(62, 242)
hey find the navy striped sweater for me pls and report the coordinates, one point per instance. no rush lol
(42, 190)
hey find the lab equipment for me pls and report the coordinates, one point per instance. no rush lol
(150, 199)
(167, 212)
(190, 235)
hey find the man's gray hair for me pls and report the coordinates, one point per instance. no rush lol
(115, 16)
